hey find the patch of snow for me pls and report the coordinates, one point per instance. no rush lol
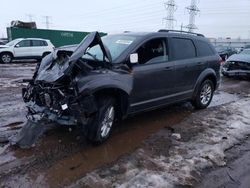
(223, 98)
(222, 129)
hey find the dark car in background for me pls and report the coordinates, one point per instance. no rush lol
(238, 65)
(225, 51)
(108, 78)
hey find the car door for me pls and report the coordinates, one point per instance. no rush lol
(153, 76)
(23, 49)
(187, 66)
(39, 47)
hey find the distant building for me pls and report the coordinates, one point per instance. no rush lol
(236, 43)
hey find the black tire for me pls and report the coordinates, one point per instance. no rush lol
(6, 57)
(99, 129)
(204, 95)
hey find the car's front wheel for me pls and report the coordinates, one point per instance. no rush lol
(101, 124)
(204, 95)
(6, 57)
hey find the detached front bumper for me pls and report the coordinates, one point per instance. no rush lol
(236, 73)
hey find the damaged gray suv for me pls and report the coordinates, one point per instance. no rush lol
(106, 79)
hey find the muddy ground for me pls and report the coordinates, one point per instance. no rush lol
(171, 147)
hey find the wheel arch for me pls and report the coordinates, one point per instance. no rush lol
(46, 53)
(207, 74)
(9, 52)
(121, 98)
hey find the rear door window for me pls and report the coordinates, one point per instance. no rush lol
(44, 43)
(203, 49)
(37, 43)
(182, 48)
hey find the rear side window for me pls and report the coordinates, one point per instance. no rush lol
(203, 49)
(182, 48)
(39, 43)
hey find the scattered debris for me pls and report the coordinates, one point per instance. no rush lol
(176, 136)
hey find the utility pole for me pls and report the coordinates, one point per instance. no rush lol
(170, 7)
(181, 26)
(30, 17)
(193, 11)
(47, 21)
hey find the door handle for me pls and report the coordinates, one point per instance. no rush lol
(199, 64)
(168, 68)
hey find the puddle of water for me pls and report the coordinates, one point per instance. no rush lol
(126, 139)
(73, 162)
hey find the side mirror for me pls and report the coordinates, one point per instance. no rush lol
(134, 58)
(17, 46)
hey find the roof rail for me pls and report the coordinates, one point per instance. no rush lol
(178, 31)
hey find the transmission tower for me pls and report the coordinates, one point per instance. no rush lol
(193, 11)
(30, 17)
(170, 7)
(47, 21)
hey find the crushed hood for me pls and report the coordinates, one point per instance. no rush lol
(239, 57)
(52, 68)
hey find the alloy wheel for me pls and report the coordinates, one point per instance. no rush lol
(206, 94)
(107, 121)
(6, 58)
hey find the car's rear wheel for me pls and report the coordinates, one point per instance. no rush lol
(101, 124)
(6, 58)
(204, 95)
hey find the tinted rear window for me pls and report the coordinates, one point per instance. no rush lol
(203, 49)
(183, 48)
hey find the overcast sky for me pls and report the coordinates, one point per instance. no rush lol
(217, 18)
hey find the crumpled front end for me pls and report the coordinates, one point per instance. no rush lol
(57, 103)
(53, 93)
(236, 68)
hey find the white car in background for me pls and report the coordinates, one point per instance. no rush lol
(25, 48)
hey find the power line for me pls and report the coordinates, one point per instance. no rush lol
(192, 10)
(170, 7)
